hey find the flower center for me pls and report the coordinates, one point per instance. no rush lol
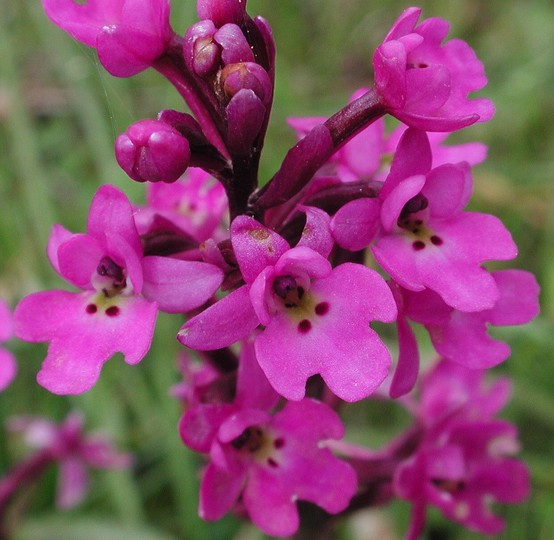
(109, 278)
(412, 221)
(449, 486)
(287, 288)
(259, 444)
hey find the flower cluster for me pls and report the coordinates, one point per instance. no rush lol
(281, 284)
(463, 461)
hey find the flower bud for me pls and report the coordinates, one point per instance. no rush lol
(152, 151)
(234, 46)
(201, 53)
(222, 11)
(246, 76)
(245, 117)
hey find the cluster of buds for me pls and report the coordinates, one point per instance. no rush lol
(280, 284)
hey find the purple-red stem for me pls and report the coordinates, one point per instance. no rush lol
(310, 153)
(24, 473)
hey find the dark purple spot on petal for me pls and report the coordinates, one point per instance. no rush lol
(112, 311)
(418, 245)
(272, 462)
(91, 308)
(279, 443)
(436, 240)
(304, 326)
(322, 308)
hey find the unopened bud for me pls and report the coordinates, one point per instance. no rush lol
(152, 151)
(222, 11)
(246, 76)
(234, 46)
(201, 53)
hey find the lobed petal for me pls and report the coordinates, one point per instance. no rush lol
(110, 214)
(222, 324)
(356, 224)
(83, 21)
(339, 344)
(255, 246)
(179, 286)
(80, 341)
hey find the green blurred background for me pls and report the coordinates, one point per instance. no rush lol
(59, 115)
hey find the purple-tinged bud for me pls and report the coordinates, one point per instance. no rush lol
(205, 57)
(234, 47)
(246, 76)
(245, 117)
(222, 11)
(202, 55)
(152, 151)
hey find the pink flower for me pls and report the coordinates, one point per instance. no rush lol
(196, 204)
(427, 241)
(450, 390)
(8, 367)
(424, 83)
(121, 294)
(456, 335)
(267, 461)
(462, 337)
(316, 317)
(74, 452)
(463, 463)
(464, 472)
(129, 35)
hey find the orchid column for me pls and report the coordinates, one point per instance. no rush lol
(281, 285)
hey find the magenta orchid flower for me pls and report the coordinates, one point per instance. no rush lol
(462, 337)
(427, 241)
(456, 335)
(463, 473)
(316, 321)
(449, 389)
(75, 453)
(267, 461)
(464, 462)
(8, 367)
(195, 204)
(421, 235)
(121, 294)
(425, 83)
(129, 35)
